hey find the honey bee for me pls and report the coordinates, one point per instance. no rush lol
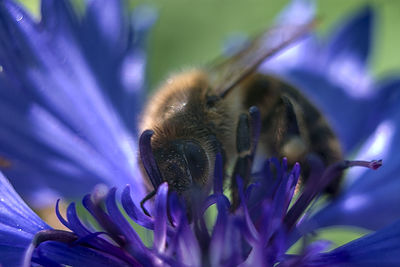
(201, 112)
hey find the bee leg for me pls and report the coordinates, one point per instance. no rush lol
(295, 149)
(144, 200)
(293, 145)
(247, 133)
(291, 117)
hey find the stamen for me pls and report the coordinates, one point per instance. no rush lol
(54, 235)
(88, 238)
(59, 216)
(134, 212)
(104, 220)
(313, 188)
(149, 163)
(374, 164)
(47, 235)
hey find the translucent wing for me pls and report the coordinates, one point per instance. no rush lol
(230, 72)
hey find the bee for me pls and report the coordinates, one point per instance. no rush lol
(201, 112)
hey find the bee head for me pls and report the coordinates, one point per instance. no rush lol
(183, 164)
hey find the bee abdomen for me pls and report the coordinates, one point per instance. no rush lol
(292, 126)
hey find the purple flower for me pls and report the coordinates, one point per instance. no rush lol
(256, 234)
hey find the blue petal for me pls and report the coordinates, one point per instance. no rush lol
(344, 111)
(105, 23)
(77, 256)
(60, 125)
(115, 46)
(298, 12)
(369, 201)
(381, 248)
(58, 17)
(18, 225)
(113, 43)
(336, 78)
(353, 38)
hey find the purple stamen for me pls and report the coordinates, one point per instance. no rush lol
(98, 243)
(149, 163)
(248, 222)
(134, 243)
(88, 238)
(134, 212)
(104, 219)
(374, 164)
(47, 235)
(263, 232)
(318, 183)
(160, 222)
(59, 216)
(54, 235)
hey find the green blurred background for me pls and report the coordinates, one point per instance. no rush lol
(188, 33)
(192, 32)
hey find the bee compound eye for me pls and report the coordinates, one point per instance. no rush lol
(197, 161)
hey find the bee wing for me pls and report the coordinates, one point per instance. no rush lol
(230, 72)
